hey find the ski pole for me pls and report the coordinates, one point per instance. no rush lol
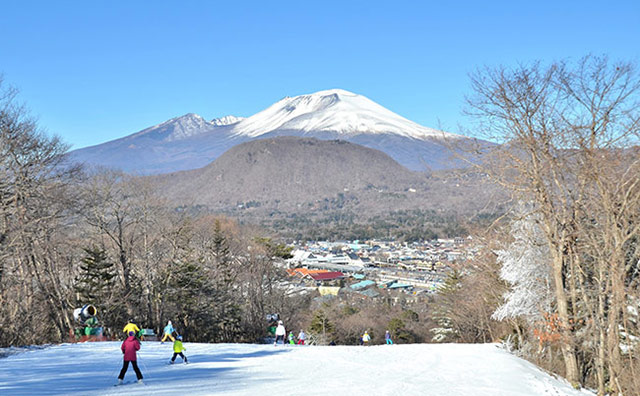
(116, 371)
(144, 365)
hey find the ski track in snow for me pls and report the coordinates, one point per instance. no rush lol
(247, 369)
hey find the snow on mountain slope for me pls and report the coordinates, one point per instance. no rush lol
(184, 127)
(176, 128)
(245, 369)
(226, 120)
(190, 141)
(334, 110)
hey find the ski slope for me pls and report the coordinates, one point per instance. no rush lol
(245, 369)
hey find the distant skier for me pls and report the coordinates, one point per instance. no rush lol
(168, 331)
(301, 337)
(177, 350)
(129, 348)
(281, 332)
(130, 326)
(292, 339)
(387, 338)
(366, 338)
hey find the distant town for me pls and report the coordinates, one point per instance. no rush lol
(366, 268)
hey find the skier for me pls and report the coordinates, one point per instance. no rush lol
(177, 350)
(280, 333)
(292, 340)
(366, 338)
(131, 327)
(301, 337)
(387, 337)
(129, 348)
(168, 330)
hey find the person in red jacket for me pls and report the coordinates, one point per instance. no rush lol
(129, 348)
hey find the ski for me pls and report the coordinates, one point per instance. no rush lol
(129, 383)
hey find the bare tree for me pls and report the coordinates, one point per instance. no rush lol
(35, 200)
(569, 137)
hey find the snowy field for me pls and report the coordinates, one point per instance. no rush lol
(244, 369)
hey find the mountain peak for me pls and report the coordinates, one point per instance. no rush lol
(176, 128)
(335, 111)
(226, 120)
(333, 92)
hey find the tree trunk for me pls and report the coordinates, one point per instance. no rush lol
(568, 342)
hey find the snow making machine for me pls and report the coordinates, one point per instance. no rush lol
(87, 326)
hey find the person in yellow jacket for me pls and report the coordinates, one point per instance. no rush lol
(177, 350)
(131, 327)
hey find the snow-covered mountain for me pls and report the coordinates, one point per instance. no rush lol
(248, 369)
(190, 141)
(335, 110)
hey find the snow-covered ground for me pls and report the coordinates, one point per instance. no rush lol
(245, 369)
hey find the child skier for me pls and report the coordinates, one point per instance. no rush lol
(387, 337)
(177, 350)
(292, 340)
(129, 348)
(280, 333)
(301, 337)
(366, 338)
(168, 330)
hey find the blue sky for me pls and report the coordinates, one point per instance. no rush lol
(93, 71)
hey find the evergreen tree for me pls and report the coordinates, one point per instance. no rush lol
(398, 330)
(321, 326)
(204, 312)
(228, 310)
(96, 277)
(190, 300)
(275, 249)
(222, 256)
(443, 312)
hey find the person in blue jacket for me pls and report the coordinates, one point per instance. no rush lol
(168, 331)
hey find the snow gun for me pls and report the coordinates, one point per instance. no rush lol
(85, 313)
(87, 328)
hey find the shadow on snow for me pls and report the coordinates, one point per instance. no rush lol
(93, 368)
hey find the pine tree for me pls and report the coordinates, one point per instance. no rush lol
(398, 330)
(222, 256)
(321, 326)
(189, 293)
(228, 309)
(96, 276)
(204, 311)
(444, 309)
